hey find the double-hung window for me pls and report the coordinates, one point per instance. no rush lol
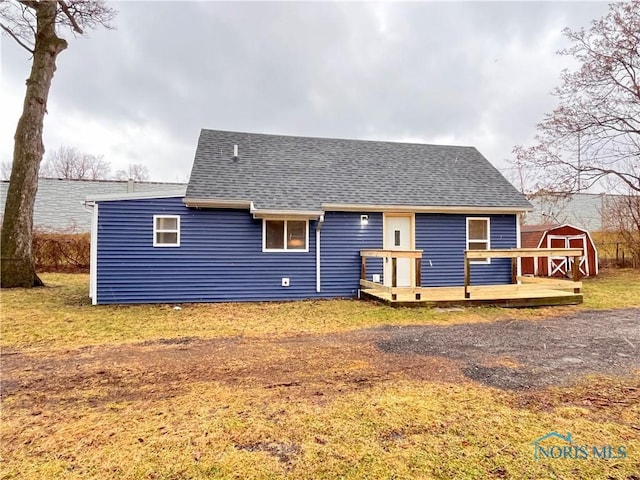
(285, 235)
(166, 230)
(478, 234)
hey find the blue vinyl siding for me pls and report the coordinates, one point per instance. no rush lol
(342, 238)
(443, 238)
(220, 255)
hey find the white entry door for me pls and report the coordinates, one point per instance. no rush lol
(397, 236)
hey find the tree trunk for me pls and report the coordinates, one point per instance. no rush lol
(17, 264)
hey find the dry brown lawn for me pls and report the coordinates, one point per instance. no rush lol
(237, 391)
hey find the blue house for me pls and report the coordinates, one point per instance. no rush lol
(272, 217)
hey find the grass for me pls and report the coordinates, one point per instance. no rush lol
(612, 288)
(393, 431)
(60, 316)
(392, 427)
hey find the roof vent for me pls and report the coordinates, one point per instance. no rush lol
(235, 152)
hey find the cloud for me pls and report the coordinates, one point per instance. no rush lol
(467, 73)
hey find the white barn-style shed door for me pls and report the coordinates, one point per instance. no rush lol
(398, 231)
(564, 265)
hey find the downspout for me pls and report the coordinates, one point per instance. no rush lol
(318, 227)
(519, 245)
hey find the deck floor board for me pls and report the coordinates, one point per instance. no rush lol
(500, 295)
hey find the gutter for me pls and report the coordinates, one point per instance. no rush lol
(352, 207)
(135, 196)
(217, 203)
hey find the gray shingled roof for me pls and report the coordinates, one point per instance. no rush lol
(583, 210)
(302, 173)
(59, 204)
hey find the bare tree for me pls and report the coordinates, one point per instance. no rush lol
(622, 214)
(552, 206)
(69, 163)
(136, 171)
(34, 25)
(594, 133)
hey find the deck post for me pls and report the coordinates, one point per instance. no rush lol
(363, 269)
(576, 272)
(394, 276)
(467, 276)
(514, 270)
(394, 272)
(418, 279)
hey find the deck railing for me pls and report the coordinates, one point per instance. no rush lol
(393, 256)
(415, 289)
(514, 254)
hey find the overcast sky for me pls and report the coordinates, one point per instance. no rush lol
(464, 73)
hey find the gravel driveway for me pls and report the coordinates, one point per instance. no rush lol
(516, 355)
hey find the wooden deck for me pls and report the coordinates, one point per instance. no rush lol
(521, 292)
(525, 295)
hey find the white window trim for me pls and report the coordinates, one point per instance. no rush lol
(156, 231)
(488, 220)
(285, 249)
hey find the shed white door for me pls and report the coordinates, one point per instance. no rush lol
(562, 266)
(397, 236)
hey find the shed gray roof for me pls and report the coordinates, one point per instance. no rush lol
(303, 173)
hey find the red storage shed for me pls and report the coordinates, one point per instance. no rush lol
(558, 236)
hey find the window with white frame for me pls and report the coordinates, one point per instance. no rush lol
(478, 234)
(281, 235)
(166, 230)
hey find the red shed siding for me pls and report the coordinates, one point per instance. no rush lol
(534, 236)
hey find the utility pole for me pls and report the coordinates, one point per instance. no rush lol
(579, 165)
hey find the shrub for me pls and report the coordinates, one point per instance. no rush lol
(614, 251)
(62, 252)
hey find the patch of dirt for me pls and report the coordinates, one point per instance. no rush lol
(605, 398)
(512, 355)
(316, 366)
(284, 452)
(170, 341)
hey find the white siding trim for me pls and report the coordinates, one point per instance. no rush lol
(93, 257)
(136, 195)
(488, 220)
(285, 249)
(155, 231)
(350, 207)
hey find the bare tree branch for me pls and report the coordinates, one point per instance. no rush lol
(69, 163)
(17, 39)
(74, 23)
(30, 3)
(594, 133)
(135, 171)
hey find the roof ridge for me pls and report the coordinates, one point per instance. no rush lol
(311, 137)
